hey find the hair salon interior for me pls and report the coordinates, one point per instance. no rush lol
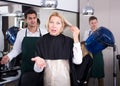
(75, 11)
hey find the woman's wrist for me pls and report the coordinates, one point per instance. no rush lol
(76, 39)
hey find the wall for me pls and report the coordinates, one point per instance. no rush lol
(108, 13)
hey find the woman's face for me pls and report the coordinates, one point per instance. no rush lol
(55, 26)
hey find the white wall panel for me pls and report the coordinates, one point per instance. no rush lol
(70, 5)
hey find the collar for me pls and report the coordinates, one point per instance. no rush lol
(28, 31)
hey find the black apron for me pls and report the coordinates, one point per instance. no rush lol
(28, 76)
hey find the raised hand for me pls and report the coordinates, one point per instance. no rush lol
(76, 31)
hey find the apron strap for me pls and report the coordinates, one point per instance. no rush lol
(26, 33)
(40, 32)
(90, 32)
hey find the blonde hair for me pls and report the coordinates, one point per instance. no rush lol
(63, 20)
(84, 50)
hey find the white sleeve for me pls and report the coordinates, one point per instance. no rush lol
(17, 46)
(37, 69)
(86, 34)
(77, 53)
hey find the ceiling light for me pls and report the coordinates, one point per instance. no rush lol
(88, 10)
(49, 4)
(18, 13)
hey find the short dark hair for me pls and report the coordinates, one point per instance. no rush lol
(92, 18)
(30, 11)
(38, 21)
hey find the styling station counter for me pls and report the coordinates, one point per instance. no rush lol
(9, 75)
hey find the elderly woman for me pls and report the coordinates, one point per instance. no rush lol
(56, 53)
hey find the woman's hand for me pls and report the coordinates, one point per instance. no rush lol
(40, 62)
(76, 31)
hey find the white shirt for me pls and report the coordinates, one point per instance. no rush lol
(18, 42)
(77, 59)
(87, 34)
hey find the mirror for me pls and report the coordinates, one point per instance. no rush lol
(12, 15)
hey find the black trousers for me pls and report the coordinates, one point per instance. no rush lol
(31, 79)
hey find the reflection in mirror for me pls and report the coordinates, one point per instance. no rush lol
(13, 15)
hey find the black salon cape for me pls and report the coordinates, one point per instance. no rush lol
(57, 47)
